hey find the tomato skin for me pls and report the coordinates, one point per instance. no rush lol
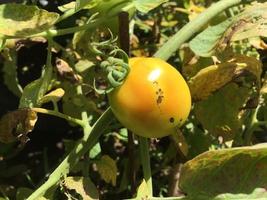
(153, 100)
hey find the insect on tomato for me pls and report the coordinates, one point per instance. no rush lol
(153, 100)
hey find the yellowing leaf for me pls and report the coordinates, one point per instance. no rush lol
(24, 20)
(250, 23)
(194, 10)
(16, 125)
(68, 6)
(237, 171)
(214, 77)
(107, 169)
(54, 96)
(83, 186)
(142, 191)
(210, 79)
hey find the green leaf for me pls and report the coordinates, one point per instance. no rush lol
(74, 104)
(107, 168)
(146, 5)
(30, 93)
(192, 64)
(10, 72)
(198, 141)
(83, 186)
(23, 20)
(83, 65)
(35, 90)
(238, 171)
(53, 96)
(219, 112)
(214, 39)
(86, 4)
(255, 24)
(214, 77)
(206, 43)
(95, 151)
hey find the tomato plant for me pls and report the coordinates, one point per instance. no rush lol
(88, 96)
(153, 100)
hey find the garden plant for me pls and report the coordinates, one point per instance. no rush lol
(133, 99)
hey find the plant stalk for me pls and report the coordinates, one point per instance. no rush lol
(90, 138)
(145, 160)
(91, 135)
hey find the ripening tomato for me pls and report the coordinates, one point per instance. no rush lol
(153, 100)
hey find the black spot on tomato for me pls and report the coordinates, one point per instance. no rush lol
(159, 99)
(171, 119)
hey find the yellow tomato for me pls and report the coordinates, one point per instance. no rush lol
(153, 100)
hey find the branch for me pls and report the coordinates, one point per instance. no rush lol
(90, 138)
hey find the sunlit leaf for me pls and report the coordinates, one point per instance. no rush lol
(53, 96)
(107, 168)
(68, 6)
(142, 191)
(255, 23)
(146, 5)
(201, 85)
(95, 151)
(24, 20)
(86, 4)
(83, 186)
(207, 42)
(238, 171)
(250, 23)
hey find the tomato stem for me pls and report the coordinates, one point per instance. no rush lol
(58, 114)
(91, 136)
(145, 160)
